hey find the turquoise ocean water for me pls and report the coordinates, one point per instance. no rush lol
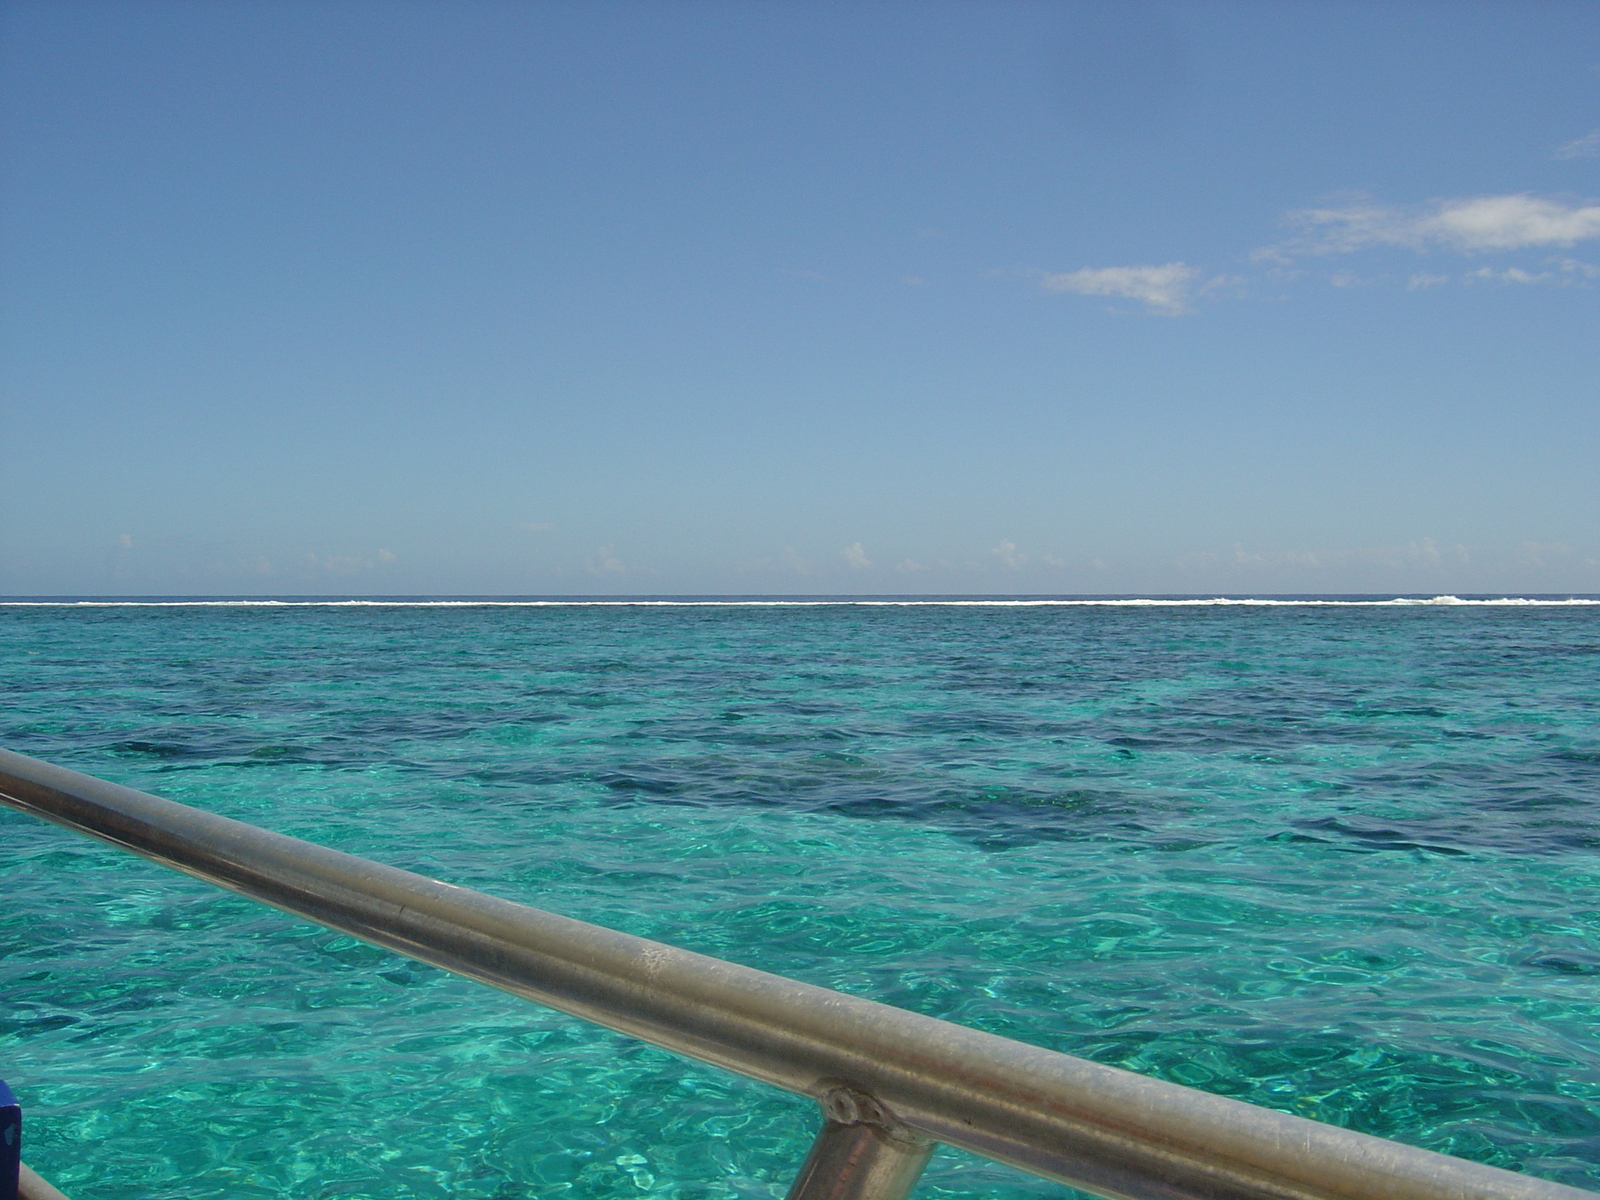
(1337, 859)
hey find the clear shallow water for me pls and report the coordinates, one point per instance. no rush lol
(1338, 860)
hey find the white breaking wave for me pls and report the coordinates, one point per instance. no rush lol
(826, 602)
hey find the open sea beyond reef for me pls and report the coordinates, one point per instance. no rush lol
(1340, 859)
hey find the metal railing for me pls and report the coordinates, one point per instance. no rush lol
(891, 1083)
(31, 1187)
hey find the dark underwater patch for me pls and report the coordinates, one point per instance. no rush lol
(1378, 837)
(1568, 962)
(154, 750)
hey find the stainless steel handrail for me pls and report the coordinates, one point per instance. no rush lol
(891, 1082)
(31, 1187)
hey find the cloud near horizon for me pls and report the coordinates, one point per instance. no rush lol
(1006, 552)
(855, 556)
(604, 561)
(1163, 290)
(342, 564)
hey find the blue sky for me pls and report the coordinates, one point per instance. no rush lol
(799, 297)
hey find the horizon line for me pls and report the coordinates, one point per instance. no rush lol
(876, 599)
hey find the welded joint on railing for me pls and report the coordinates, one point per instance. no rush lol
(861, 1153)
(848, 1106)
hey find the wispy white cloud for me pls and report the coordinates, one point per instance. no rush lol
(790, 561)
(1510, 223)
(538, 526)
(1006, 552)
(604, 561)
(1237, 285)
(1510, 275)
(346, 564)
(125, 541)
(1576, 269)
(1559, 272)
(1471, 226)
(1164, 289)
(1588, 146)
(1422, 553)
(1240, 557)
(855, 556)
(1555, 272)
(1538, 554)
(1474, 225)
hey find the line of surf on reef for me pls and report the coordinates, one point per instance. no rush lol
(824, 602)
